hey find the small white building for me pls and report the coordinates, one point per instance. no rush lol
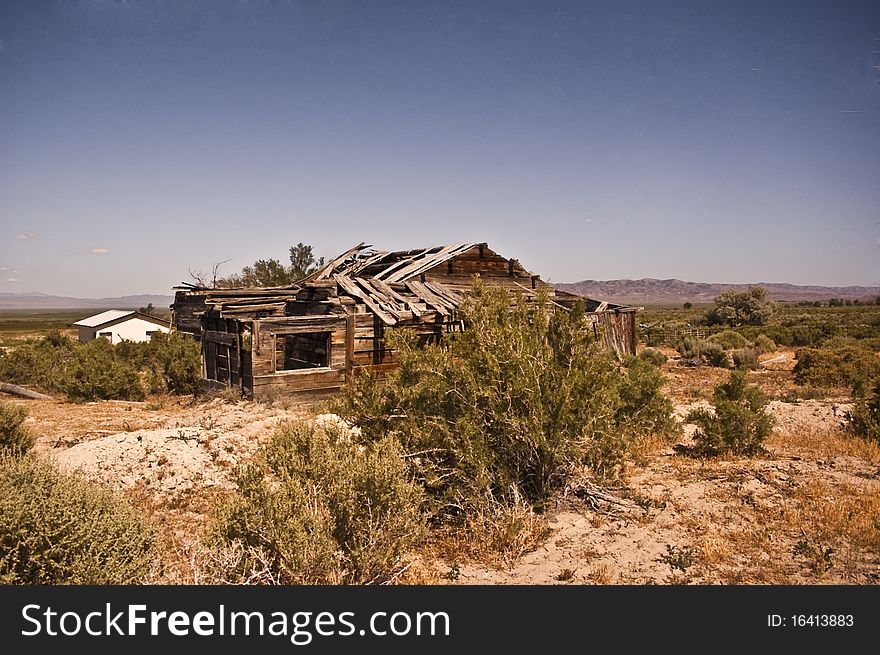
(116, 325)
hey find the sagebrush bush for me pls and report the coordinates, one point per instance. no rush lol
(508, 403)
(739, 423)
(15, 437)
(56, 528)
(764, 344)
(844, 366)
(316, 507)
(653, 356)
(714, 355)
(96, 371)
(168, 363)
(37, 363)
(701, 351)
(863, 419)
(745, 359)
(729, 340)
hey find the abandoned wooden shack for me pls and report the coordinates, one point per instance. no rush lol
(312, 336)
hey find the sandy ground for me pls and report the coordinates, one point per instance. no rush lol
(683, 520)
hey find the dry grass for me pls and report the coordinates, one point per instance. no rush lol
(498, 535)
(824, 444)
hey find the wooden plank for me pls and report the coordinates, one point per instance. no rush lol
(300, 324)
(349, 344)
(420, 263)
(453, 297)
(301, 380)
(326, 271)
(219, 337)
(429, 297)
(405, 261)
(265, 307)
(349, 287)
(366, 263)
(388, 291)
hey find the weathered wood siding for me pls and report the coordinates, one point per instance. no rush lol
(267, 367)
(187, 311)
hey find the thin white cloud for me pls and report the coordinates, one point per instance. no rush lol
(26, 236)
(100, 251)
(589, 220)
(3, 269)
(852, 111)
(12, 279)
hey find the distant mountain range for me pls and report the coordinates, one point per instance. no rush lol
(647, 291)
(33, 300)
(650, 291)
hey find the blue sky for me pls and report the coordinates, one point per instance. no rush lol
(707, 141)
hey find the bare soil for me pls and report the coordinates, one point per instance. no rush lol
(805, 512)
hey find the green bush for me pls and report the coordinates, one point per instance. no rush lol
(864, 418)
(319, 508)
(739, 423)
(729, 340)
(714, 354)
(96, 371)
(691, 349)
(764, 344)
(700, 351)
(745, 359)
(15, 438)
(56, 528)
(168, 363)
(38, 363)
(653, 356)
(507, 404)
(842, 367)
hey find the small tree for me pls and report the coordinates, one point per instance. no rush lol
(739, 423)
(273, 273)
(735, 308)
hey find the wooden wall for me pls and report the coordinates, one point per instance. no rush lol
(187, 312)
(458, 272)
(269, 377)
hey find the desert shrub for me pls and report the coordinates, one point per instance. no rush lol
(176, 357)
(653, 356)
(96, 371)
(714, 354)
(863, 419)
(825, 367)
(764, 344)
(729, 340)
(691, 349)
(739, 423)
(38, 363)
(170, 362)
(700, 351)
(15, 437)
(506, 404)
(745, 359)
(736, 307)
(643, 408)
(56, 528)
(316, 507)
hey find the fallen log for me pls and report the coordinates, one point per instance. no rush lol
(16, 390)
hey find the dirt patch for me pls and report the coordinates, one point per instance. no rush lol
(733, 521)
(805, 512)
